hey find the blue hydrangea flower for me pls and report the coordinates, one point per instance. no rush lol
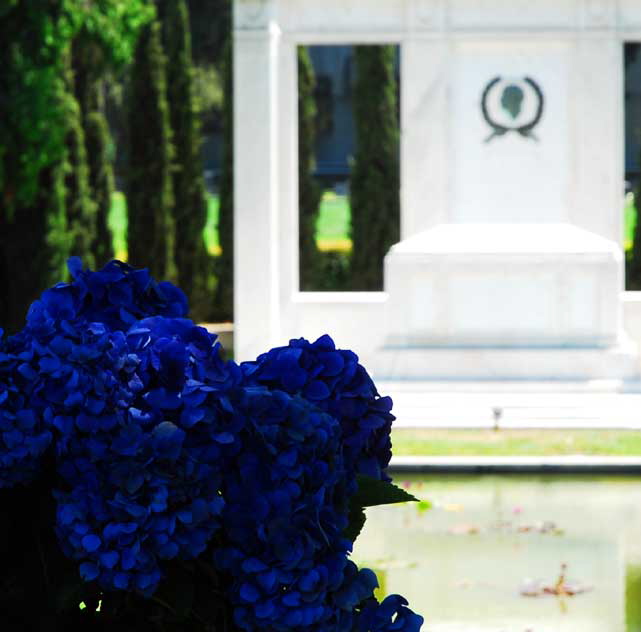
(333, 380)
(160, 445)
(51, 364)
(142, 465)
(139, 412)
(24, 435)
(116, 296)
(391, 615)
(286, 508)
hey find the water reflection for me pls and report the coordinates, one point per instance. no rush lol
(467, 563)
(633, 597)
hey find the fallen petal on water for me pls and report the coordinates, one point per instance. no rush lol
(464, 529)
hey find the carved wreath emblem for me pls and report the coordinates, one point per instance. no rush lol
(508, 112)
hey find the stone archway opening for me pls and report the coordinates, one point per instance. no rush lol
(332, 235)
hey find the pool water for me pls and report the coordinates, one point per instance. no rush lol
(465, 563)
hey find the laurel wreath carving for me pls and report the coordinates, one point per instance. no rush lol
(524, 130)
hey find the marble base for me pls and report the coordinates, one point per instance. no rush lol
(619, 362)
(503, 301)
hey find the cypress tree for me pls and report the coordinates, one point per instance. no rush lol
(78, 204)
(34, 245)
(103, 45)
(194, 266)
(101, 181)
(375, 179)
(33, 125)
(225, 287)
(88, 66)
(210, 24)
(309, 191)
(633, 256)
(149, 184)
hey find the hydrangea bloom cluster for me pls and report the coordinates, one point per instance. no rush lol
(145, 478)
(165, 451)
(335, 382)
(118, 295)
(286, 509)
(390, 615)
(24, 437)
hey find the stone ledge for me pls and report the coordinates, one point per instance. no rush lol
(516, 465)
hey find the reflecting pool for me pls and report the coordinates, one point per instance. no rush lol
(483, 558)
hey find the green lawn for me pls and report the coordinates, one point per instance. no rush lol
(629, 221)
(211, 227)
(332, 227)
(440, 442)
(117, 222)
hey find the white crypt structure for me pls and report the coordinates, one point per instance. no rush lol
(510, 264)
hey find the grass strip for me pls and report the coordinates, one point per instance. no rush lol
(525, 442)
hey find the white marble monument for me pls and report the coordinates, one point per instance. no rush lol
(510, 264)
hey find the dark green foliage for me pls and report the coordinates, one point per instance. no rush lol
(112, 28)
(149, 173)
(78, 203)
(309, 191)
(633, 256)
(104, 43)
(34, 38)
(89, 65)
(33, 565)
(375, 179)
(32, 112)
(210, 28)
(33, 247)
(101, 180)
(324, 99)
(33, 127)
(42, 589)
(42, 164)
(333, 271)
(225, 290)
(193, 263)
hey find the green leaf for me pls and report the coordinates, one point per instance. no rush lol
(356, 523)
(178, 590)
(372, 492)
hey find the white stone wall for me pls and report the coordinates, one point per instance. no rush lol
(575, 46)
(632, 315)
